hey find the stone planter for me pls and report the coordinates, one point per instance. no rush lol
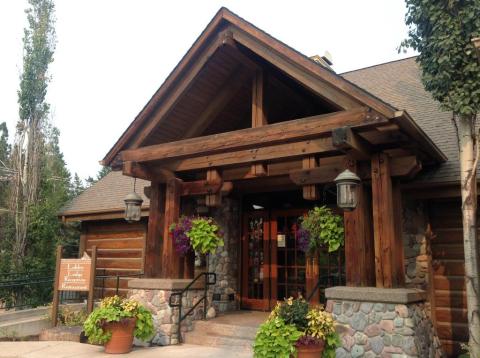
(122, 336)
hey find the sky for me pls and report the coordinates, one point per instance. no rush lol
(112, 55)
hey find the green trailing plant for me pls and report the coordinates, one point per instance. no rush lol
(200, 234)
(312, 322)
(321, 228)
(117, 309)
(275, 338)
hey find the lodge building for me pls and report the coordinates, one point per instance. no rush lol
(252, 132)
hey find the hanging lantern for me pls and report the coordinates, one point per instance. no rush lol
(347, 185)
(133, 206)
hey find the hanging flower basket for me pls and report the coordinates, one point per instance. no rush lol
(196, 233)
(320, 228)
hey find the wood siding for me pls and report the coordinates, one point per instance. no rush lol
(120, 251)
(448, 275)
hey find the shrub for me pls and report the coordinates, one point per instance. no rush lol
(276, 339)
(116, 309)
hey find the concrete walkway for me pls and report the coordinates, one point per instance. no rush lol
(78, 350)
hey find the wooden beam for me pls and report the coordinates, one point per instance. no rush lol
(359, 248)
(258, 115)
(172, 265)
(261, 154)
(398, 167)
(156, 231)
(227, 91)
(310, 192)
(214, 199)
(300, 129)
(387, 267)
(323, 89)
(142, 171)
(176, 93)
(345, 139)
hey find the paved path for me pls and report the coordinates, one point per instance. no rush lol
(78, 350)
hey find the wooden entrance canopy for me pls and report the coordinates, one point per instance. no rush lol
(242, 107)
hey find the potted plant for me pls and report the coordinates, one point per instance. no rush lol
(293, 329)
(200, 234)
(320, 228)
(116, 321)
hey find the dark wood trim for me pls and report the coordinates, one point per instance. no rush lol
(294, 130)
(172, 265)
(225, 94)
(214, 199)
(356, 147)
(156, 231)
(310, 191)
(359, 248)
(387, 270)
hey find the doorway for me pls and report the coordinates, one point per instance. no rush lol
(273, 267)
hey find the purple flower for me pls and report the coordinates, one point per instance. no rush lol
(179, 235)
(303, 239)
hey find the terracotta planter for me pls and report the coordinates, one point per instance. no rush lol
(122, 336)
(315, 351)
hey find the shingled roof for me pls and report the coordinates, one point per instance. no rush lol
(105, 197)
(399, 84)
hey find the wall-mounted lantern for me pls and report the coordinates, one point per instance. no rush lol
(133, 206)
(347, 186)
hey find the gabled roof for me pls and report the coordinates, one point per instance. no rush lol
(105, 197)
(399, 83)
(254, 39)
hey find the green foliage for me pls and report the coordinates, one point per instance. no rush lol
(101, 173)
(325, 228)
(294, 312)
(39, 45)
(70, 317)
(204, 235)
(276, 339)
(314, 322)
(441, 31)
(116, 309)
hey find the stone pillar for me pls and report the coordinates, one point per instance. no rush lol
(380, 322)
(154, 294)
(225, 261)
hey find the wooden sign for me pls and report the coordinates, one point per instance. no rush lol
(75, 274)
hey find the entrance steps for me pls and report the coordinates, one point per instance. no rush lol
(235, 331)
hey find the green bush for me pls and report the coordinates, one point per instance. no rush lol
(204, 235)
(325, 229)
(276, 339)
(116, 309)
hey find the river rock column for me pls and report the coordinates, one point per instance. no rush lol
(225, 261)
(377, 322)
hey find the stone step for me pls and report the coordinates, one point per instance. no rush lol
(224, 329)
(211, 340)
(24, 327)
(21, 314)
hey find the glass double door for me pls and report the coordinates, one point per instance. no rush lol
(273, 267)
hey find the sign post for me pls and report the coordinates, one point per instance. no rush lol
(74, 275)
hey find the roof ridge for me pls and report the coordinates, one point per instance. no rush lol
(378, 64)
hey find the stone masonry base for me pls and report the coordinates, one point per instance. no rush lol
(374, 322)
(154, 295)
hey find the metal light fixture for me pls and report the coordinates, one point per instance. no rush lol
(347, 184)
(133, 205)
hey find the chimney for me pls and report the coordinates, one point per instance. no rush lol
(325, 60)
